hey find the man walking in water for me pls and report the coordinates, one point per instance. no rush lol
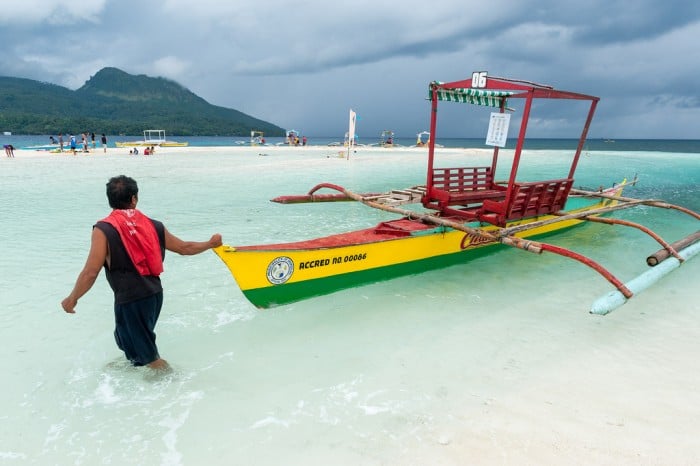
(131, 248)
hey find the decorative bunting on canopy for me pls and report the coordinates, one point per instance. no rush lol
(483, 97)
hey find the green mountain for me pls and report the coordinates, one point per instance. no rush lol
(115, 102)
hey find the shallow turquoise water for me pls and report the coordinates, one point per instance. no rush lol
(436, 368)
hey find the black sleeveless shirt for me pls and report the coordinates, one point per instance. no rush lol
(126, 282)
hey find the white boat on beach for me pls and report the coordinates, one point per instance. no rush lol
(152, 137)
(44, 147)
(423, 140)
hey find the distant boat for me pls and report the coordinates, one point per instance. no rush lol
(346, 141)
(257, 138)
(419, 139)
(424, 143)
(152, 137)
(608, 140)
(7, 133)
(387, 138)
(291, 138)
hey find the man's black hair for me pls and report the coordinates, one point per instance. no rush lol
(120, 190)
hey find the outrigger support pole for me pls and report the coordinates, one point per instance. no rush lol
(649, 202)
(497, 236)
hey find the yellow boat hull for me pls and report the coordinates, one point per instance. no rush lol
(276, 274)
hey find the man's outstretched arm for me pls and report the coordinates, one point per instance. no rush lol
(189, 248)
(93, 265)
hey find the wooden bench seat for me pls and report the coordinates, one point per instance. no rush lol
(528, 200)
(463, 186)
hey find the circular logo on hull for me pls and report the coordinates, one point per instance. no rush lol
(280, 270)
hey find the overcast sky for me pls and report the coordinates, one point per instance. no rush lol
(304, 64)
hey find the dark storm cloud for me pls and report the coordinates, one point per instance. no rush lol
(305, 64)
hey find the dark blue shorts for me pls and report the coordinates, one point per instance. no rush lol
(134, 331)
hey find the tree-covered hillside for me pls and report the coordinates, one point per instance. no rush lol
(115, 102)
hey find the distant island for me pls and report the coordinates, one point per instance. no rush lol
(115, 102)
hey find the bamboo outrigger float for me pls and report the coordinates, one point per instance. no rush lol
(468, 214)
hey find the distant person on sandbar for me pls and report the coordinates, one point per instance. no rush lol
(9, 150)
(131, 248)
(92, 136)
(60, 142)
(103, 140)
(73, 144)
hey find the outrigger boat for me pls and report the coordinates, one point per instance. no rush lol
(467, 213)
(152, 137)
(424, 143)
(257, 138)
(291, 138)
(419, 139)
(387, 139)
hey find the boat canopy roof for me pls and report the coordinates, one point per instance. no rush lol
(493, 92)
(154, 135)
(483, 97)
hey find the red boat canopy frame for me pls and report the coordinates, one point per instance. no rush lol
(473, 188)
